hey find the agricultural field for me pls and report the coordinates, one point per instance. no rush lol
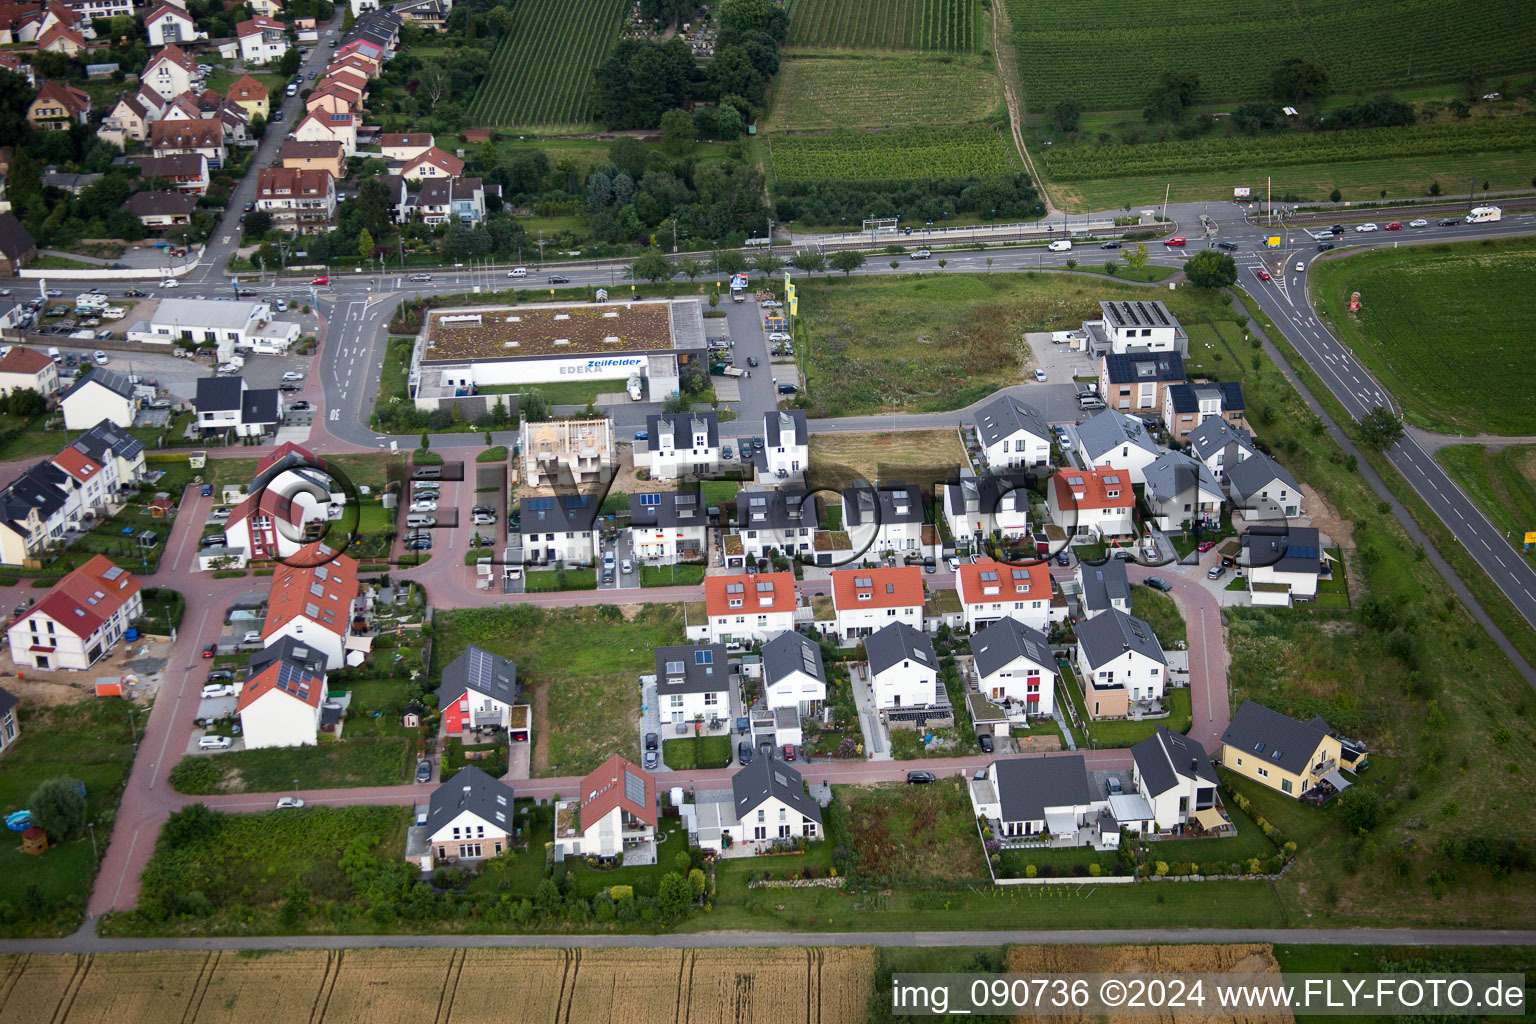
(1105, 55)
(912, 456)
(469, 986)
(936, 26)
(1503, 483)
(883, 90)
(901, 154)
(1445, 328)
(541, 72)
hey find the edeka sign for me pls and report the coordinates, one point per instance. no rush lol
(543, 370)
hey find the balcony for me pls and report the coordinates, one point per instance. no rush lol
(1317, 771)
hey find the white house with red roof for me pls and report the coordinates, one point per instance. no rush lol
(434, 163)
(168, 23)
(1092, 503)
(170, 72)
(63, 39)
(325, 126)
(76, 623)
(990, 590)
(266, 525)
(749, 608)
(399, 150)
(869, 599)
(311, 601)
(262, 40)
(617, 811)
(27, 368)
(279, 704)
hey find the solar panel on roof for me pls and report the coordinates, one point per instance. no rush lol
(808, 658)
(704, 657)
(650, 499)
(989, 577)
(764, 587)
(540, 504)
(735, 588)
(1021, 574)
(634, 787)
(574, 501)
(863, 581)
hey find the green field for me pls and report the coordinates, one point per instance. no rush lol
(898, 155)
(1106, 55)
(866, 90)
(1502, 482)
(541, 73)
(941, 26)
(1445, 328)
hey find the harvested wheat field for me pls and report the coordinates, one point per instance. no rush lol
(388, 986)
(1204, 959)
(280, 986)
(115, 988)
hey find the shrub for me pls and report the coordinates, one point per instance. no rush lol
(1094, 870)
(1030, 871)
(1161, 868)
(618, 893)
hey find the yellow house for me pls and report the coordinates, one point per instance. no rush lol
(1288, 756)
(266, 8)
(251, 95)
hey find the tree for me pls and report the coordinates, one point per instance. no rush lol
(532, 407)
(677, 132)
(365, 244)
(628, 155)
(347, 20)
(767, 264)
(258, 126)
(1299, 79)
(848, 260)
(1381, 428)
(697, 881)
(1335, 196)
(729, 261)
(810, 261)
(26, 403)
(739, 17)
(673, 895)
(433, 83)
(256, 223)
(288, 63)
(690, 267)
(1066, 115)
(1434, 188)
(1361, 809)
(651, 266)
(426, 442)
(58, 808)
(1136, 257)
(373, 207)
(676, 403)
(1211, 269)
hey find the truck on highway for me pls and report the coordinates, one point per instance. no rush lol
(1484, 215)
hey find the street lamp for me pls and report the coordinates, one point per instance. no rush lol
(295, 789)
(133, 729)
(91, 826)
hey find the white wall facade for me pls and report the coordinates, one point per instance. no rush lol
(749, 625)
(276, 719)
(907, 684)
(1142, 678)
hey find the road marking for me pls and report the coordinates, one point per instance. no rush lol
(335, 415)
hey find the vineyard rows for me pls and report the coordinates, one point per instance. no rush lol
(1233, 153)
(939, 26)
(900, 155)
(1107, 55)
(541, 73)
(881, 91)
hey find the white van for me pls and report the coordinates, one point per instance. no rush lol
(420, 519)
(1060, 245)
(518, 272)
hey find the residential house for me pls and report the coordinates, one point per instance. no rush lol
(460, 200)
(266, 8)
(298, 200)
(1135, 326)
(1014, 666)
(266, 525)
(782, 520)
(322, 126)
(885, 519)
(326, 99)
(187, 172)
(794, 675)
(434, 163)
(1103, 587)
(252, 96)
(1014, 435)
(903, 669)
(559, 528)
(1263, 489)
(226, 404)
(469, 819)
(158, 211)
(280, 704)
(366, 66)
(353, 81)
(311, 600)
(230, 325)
(1175, 778)
(1135, 381)
(1181, 490)
(1221, 446)
(27, 368)
(693, 684)
(1187, 406)
(399, 198)
(992, 590)
(363, 6)
(168, 24)
(117, 452)
(749, 608)
(314, 156)
(786, 450)
(680, 444)
(10, 729)
(57, 106)
(1112, 438)
(262, 40)
(1283, 563)
(36, 509)
(566, 452)
(616, 811)
(668, 527)
(99, 395)
(78, 620)
(60, 38)
(201, 137)
(1281, 753)
(432, 14)
(183, 106)
(10, 61)
(1092, 503)
(127, 121)
(771, 806)
(479, 690)
(170, 72)
(1046, 798)
(865, 600)
(17, 247)
(990, 505)
(1121, 664)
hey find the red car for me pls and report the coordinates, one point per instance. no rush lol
(1206, 545)
(1176, 240)
(1263, 274)
(210, 650)
(1396, 225)
(789, 751)
(321, 280)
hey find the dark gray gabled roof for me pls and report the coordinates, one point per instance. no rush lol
(667, 509)
(259, 406)
(219, 394)
(898, 642)
(560, 513)
(1284, 548)
(789, 653)
(1104, 584)
(1004, 415)
(1111, 429)
(15, 240)
(474, 791)
(680, 427)
(777, 424)
(695, 668)
(1006, 639)
(1142, 367)
(1255, 473)
(109, 379)
(1165, 755)
(987, 494)
(481, 671)
(1173, 474)
(107, 437)
(790, 508)
(1216, 434)
(896, 502)
(1267, 735)
(769, 777)
(1026, 786)
(8, 700)
(293, 651)
(1111, 633)
(1186, 398)
(160, 204)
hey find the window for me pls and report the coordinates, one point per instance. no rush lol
(1285, 785)
(1263, 774)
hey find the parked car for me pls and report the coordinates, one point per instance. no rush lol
(930, 564)
(424, 505)
(789, 751)
(289, 803)
(984, 741)
(751, 360)
(920, 778)
(209, 650)
(1040, 375)
(744, 753)
(251, 636)
(293, 375)
(420, 544)
(423, 770)
(219, 513)
(249, 207)
(214, 743)
(221, 675)
(483, 510)
(1206, 545)
(650, 760)
(1158, 583)
(207, 490)
(1175, 241)
(626, 566)
(1217, 572)
(1063, 558)
(641, 435)
(300, 407)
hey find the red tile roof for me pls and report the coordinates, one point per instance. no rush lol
(901, 587)
(247, 88)
(60, 31)
(989, 581)
(605, 789)
(24, 360)
(167, 9)
(257, 24)
(284, 450)
(197, 133)
(719, 591)
(322, 594)
(66, 96)
(283, 677)
(450, 165)
(76, 463)
(175, 55)
(87, 597)
(1084, 488)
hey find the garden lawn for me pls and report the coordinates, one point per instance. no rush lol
(518, 871)
(1445, 328)
(590, 881)
(1249, 842)
(545, 580)
(331, 764)
(691, 752)
(1503, 484)
(1128, 733)
(1015, 863)
(671, 575)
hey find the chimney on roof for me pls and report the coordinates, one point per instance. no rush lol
(1192, 763)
